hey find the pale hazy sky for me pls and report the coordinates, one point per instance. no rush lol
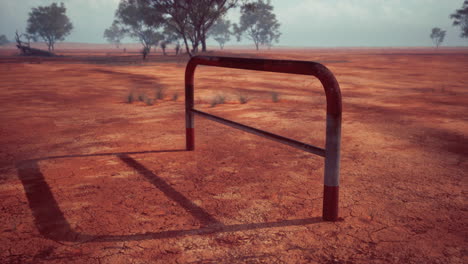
(314, 23)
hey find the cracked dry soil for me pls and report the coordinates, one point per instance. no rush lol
(89, 178)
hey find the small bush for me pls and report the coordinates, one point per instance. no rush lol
(159, 93)
(243, 99)
(219, 99)
(175, 96)
(149, 101)
(275, 97)
(130, 98)
(141, 97)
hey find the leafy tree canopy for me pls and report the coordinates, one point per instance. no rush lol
(132, 15)
(437, 36)
(192, 19)
(221, 31)
(258, 23)
(50, 23)
(114, 34)
(460, 18)
(3, 40)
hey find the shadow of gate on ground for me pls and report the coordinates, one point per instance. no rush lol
(52, 224)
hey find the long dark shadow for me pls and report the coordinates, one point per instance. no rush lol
(48, 217)
(207, 230)
(106, 154)
(52, 224)
(204, 217)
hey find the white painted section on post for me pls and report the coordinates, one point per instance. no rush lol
(332, 151)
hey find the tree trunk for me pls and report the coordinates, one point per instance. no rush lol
(195, 46)
(186, 45)
(203, 41)
(203, 45)
(146, 50)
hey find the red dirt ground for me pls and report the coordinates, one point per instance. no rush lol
(89, 178)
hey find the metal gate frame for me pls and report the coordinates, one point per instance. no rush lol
(331, 153)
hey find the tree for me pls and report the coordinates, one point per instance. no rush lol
(271, 35)
(114, 34)
(25, 47)
(30, 37)
(131, 17)
(258, 23)
(221, 31)
(460, 18)
(170, 36)
(437, 36)
(192, 19)
(177, 48)
(19, 42)
(50, 23)
(163, 46)
(3, 40)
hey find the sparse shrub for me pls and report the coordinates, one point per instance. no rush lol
(219, 99)
(145, 51)
(130, 98)
(141, 97)
(175, 96)
(149, 101)
(159, 93)
(243, 99)
(275, 97)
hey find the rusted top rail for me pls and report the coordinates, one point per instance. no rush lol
(333, 119)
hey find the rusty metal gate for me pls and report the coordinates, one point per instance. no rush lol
(331, 153)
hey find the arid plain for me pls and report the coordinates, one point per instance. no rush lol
(87, 177)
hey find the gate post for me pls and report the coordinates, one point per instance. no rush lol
(331, 153)
(189, 103)
(332, 145)
(332, 169)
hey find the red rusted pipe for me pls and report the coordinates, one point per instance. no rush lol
(334, 108)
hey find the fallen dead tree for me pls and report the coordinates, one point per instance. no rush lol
(26, 50)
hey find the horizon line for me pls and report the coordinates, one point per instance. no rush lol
(242, 46)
